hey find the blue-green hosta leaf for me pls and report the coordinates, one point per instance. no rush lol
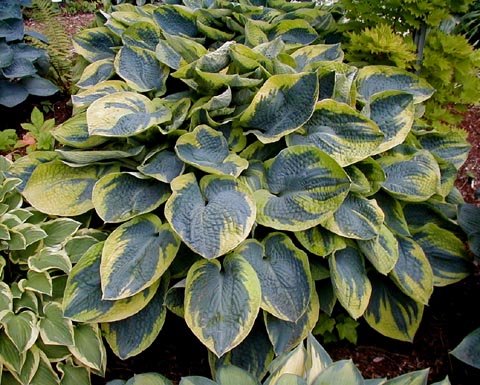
(88, 347)
(381, 251)
(211, 218)
(84, 98)
(339, 130)
(256, 32)
(255, 175)
(230, 375)
(74, 133)
(316, 53)
(134, 334)
(284, 275)
(293, 32)
(336, 80)
(211, 83)
(320, 241)
(54, 328)
(176, 20)
(124, 114)
(446, 253)
(357, 218)
(57, 189)
(141, 70)
(342, 372)
(367, 177)
(469, 220)
(83, 293)
(286, 335)
(392, 313)
(282, 105)
(413, 178)
(148, 379)
(207, 149)
(221, 304)
(72, 374)
(162, 165)
(305, 185)
(135, 256)
(96, 72)
(350, 282)
(85, 157)
(179, 111)
(50, 259)
(320, 359)
(21, 328)
(188, 49)
(96, 44)
(468, 350)
(394, 215)
(418, 377)
(413, 273)
(143, 34)
(175, 299)
(165, 54)
(78, 245)
(118, 197)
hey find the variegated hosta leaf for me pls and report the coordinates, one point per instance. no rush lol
(339, 130)
(141, 70)
(393, 112)
(319, 241)
(55, 329)
(45, 374)
(292, 362)
(57, 189)
(6, 299)
(188, 49)
(207, 150)
(343, 371)
(135, 256)
(350, 282)
(412, 272)
(85, 157)
(74, 133)
(394, 215)
(131, 336)
(336, 80)
(83, 293)
(284, 275)
(234, 375)
(162, 165)
(211, 218)
(446, 253)
(286, 335)
(381, 251)
(468, 350)
(392, 313)
(367, 177)
(293, 31)
(316, 53)
(48, 259)
(176, 20)
(73, 374)
(413, 178)
(11, 358)
(29, 368)
(168, 56)
(83, 99)
(124, 114)
(88, 347)
(21, 328)
(118, 197)
(59, 230)
(143, 34)
(319, 358)
(281, 106)
(96, 72)
(148, 379)
(374, 79)
(305, 185)
(221, 304)
(357, 218)
(96, 44)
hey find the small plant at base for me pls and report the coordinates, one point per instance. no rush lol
(8, 139)
(38, 136)
(334, 329)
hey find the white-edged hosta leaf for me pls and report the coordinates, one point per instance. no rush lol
(50, 259)
(45, 375)
(284, 274)
(55, 353)
(374, 79)
(143, 34)
(281, 106)
(351, 285)
(96, 72)
(342, 372)
(319, 358)
(212, 217)
(141, 70)
(135, 256)
(124, 114)
(340, 131)
(74, 133)
(57, 189)
(88, 347)
(176, 20)
(319, 241)
(26, 300)
(381, 251)
(54, 328)
(118, 197)
(29, 368)
(392, 313)
(85, 157)
(292, 362)
(30, 232)
(222, 302)
(10, 357)
(468, 350)
(6, 299)
(72, 374)
(84, 98)
(40, 282)
(413, 178)
(413, 273)
(131, 336)
(357, 218)
(446, 253)
(83, 293)
(316, 53)
(96, 43)
(59, 230)
(162, 165)
(207, 150)
(21, 328)
(78, 245)
(230, 375)
(305, 185)
(286, 335)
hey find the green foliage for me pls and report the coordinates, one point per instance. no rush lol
(38, 136)
(80, 6)
(333, 329)
(467, 23)
(8, 139)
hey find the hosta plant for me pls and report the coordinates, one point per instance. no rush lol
(38, 345)
(248, 179)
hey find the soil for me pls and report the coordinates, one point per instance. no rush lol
(450, 316)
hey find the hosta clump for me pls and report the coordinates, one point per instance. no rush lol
(248, 179)
(38, 345)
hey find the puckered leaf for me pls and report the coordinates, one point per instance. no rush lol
(320, 241)
(124, 114)
(74, 133)
(336, 80)
(143, 34)
(221, 304)
(305, 185)
(293, 31)
(281, 106)
(211, 218)
(317, 53)
(339, 130)
(367, 177)
(207, 149)
(176, 20)
(96, 43)
(162, 165)
(135, 256)
(96, 72)
(84, 98)
(284, 275)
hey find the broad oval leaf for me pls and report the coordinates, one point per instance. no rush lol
(148, 379)
(284, 275)
(314, 53)
(468, 350)
(74, 133)
(162, 165)
(96, 72)
(21, 328)
(176, 20)
(221, 304)
(118, 197)
(207, 150)
(305, 185)
(135, 256)
(144, 34)
(96, 43)
(55, 329)
(211, 218)
(281, 106)
(342, 372)
(124, 114)
(88, 347)
(83, 99)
